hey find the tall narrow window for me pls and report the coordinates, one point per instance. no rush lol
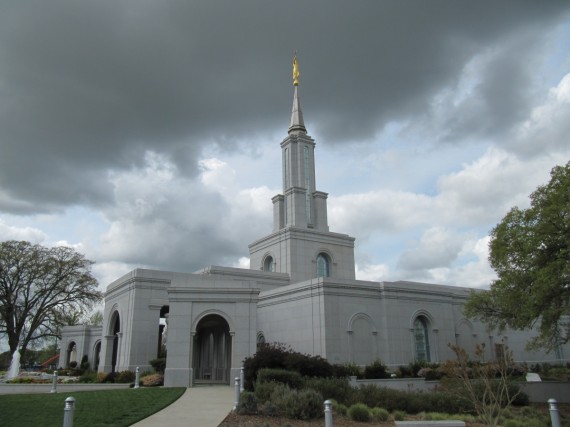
(421, 338)
(307, 184)
(323, 265)
(269, 264)
(286, 154)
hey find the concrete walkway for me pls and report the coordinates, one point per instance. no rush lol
(202, 406)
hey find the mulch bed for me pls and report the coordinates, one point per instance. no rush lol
(234, 420)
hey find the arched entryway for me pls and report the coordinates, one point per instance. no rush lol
(115, 329)
(96, 355)
(71, 355)
(211, 360)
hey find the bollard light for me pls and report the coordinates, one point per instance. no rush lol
(54, 383)
(554, 415)
(68, 411)
(236, 384)
(328, 414)
(137, 377)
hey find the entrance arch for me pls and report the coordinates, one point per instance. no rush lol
(71, 355)
(211, 360)
(115, 330)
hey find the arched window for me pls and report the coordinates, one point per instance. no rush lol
(269, 264)
(323, 265)
(260, 339)
(421, 339)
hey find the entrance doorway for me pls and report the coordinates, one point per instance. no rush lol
(116, 328)
(212, 350)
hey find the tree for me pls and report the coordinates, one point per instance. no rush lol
(96, 319)
(489, 387)
(530, 252)
(40, 288)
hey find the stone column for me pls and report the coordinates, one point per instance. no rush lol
(106, 363)
(118, 366)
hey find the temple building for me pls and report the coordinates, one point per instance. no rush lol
(300, 290)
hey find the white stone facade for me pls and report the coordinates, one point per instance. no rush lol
(300, 290)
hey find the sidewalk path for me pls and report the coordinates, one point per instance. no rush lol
(202, 406)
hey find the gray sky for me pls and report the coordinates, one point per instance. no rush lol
(146, 134)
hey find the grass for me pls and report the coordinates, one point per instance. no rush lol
(109, 408)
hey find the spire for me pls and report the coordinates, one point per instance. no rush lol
(297, 123)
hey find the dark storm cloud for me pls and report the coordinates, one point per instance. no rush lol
(87, 86)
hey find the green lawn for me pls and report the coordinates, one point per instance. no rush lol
(109, 408)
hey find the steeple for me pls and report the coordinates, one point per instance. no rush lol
(297, 124)
(301, 244)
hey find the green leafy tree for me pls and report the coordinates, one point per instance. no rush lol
(530, 252)
(96, 319)
(41, 289)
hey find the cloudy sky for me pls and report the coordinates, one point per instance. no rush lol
(146, 133)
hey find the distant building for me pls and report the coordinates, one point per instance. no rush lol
(300, 290)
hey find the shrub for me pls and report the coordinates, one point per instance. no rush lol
(110, 377)
(263, 391)
(410, 401)
(306, 405)
(338, 389)
(353, 370)
(269, 410)
(399, 415)
(376, 370)
(292, 378)
(159, 364)
(101, 377)
(124, 377)
(309, 366)
(84, 363)
(73, 364)
(359, 412)
(267, 356)
(247, 404)
(152, 380)
(297, 404)
(279, 356)
(380, 414)
(88, 377)
(340, 409)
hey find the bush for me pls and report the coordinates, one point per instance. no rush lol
(152, 380)
(339, 408)
(338, 389)
(88, 377)
(101, 377)
(380, 414)
(247, 404)
(297, 404)
(292, 378)
(279, 356)
(84, 363)
(353, 370)
(124, 377)
(110, 377)
(399, 415)
(412, 402)
(309, 366)
(263, 391)
(159, 364)
(73, 364)
(269, 410)
(359, 412)
(376, 370)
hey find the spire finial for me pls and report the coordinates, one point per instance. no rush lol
(295, 70)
